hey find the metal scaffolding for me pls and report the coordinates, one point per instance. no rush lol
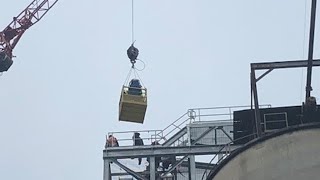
(198, 133)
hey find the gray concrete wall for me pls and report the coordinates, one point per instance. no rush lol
(291, 156)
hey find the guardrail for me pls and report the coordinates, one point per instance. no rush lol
(192, 115)
(224, 113)
(126, 138)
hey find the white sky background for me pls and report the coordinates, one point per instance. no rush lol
(61, 95)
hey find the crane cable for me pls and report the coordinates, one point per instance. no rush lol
(133, 53)
(132, 20)
(132, 34)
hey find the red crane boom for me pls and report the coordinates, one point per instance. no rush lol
(11, 35)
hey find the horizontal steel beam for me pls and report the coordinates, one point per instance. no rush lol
(283, 64)
(211, 123)
(148, 151)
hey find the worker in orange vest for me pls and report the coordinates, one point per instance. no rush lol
(112, 142)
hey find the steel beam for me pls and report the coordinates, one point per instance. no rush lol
(149, 151)
(284, 64)
(256, 103)
(264, 74)
(192, 167)
(226, 134)
(311, 44)
(153, 170)
(107, 170)
(203, 134)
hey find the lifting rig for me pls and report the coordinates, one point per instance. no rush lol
(11, 35)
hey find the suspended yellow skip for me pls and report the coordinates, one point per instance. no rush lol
(133, 99)
(133, 102)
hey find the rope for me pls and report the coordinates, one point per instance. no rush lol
(136, 73)
(128, 76)
(144, 65)
(132, 21)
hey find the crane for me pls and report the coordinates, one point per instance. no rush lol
(11, 35)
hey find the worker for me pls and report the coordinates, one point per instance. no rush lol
(157, 159)
(310, 110)
(132, 53)
(135, 87)
(137, 141)
(111, 142)
(311, 104)
(167, 160)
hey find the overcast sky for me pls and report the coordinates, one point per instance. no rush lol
(60, 98)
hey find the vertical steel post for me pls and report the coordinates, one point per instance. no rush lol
(106, 170)
(189, 135)
(256, 102)
(152, 168)
(215, 137)
(192, 167)
(311, 44)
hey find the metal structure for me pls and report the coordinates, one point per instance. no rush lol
(11, 35)
(286, 64)
(198, 132)
(311, 43)
(133, 106)
(270, 66)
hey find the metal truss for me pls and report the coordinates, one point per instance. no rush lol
(270, 66)
(186, 152)
(32, 14)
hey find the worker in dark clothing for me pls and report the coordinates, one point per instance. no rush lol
(135, 87)
(137, 141)
(309, 110)
(157, 159)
